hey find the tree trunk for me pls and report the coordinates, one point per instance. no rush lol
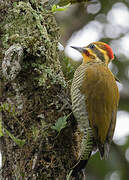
(33, 95)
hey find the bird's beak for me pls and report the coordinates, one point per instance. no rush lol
(80, 49)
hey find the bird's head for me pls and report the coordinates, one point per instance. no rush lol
(98, 51)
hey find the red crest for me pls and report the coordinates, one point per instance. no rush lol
(110, 51)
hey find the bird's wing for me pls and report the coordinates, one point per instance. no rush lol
(102, 98)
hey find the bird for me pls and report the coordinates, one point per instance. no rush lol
(95, 99)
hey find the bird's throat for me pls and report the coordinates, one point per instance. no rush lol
(86, 58)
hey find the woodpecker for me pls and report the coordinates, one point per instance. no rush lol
(95, 98)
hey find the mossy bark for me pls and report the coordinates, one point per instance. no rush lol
(33, 95)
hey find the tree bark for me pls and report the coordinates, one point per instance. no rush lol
(33, 95)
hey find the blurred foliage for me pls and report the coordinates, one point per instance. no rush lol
(74, 19)
(68, 68)
(65, 2)
(56, 8)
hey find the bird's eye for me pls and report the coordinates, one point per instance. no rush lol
(91, 46)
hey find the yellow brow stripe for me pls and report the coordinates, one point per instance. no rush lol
(91, 52)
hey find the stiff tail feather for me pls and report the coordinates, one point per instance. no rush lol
(104, 150)
(86, 150)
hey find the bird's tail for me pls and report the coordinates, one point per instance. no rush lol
(86, 150)
(104, 150)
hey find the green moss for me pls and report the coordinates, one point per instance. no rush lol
(27, 26)
(17, 141)
(47, 72)
(8, 108)
(36, 31)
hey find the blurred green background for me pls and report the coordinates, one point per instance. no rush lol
(108, 21)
